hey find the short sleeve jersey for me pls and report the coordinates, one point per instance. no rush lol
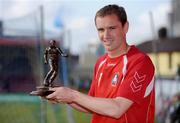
(130, 76)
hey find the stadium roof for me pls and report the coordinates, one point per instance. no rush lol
(161, 45)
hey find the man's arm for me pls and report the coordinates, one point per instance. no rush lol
(112, 107)
(61, 52)
(45, 56)
(79, 108)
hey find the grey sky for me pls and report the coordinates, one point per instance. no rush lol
(78, 16)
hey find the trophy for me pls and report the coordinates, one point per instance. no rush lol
(51, 56)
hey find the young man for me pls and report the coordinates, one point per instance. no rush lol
(122, 89)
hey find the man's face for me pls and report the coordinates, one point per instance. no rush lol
(52, 43)
(111, 33)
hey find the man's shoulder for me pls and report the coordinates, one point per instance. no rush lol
(48, 48)
(136, 56)
(102, 58)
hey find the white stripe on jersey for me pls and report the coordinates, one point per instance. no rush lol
(100, 65)
(125, 61)
(99, 80)
(149, 88)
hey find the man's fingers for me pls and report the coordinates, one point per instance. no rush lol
(53, 89)
(51, 96)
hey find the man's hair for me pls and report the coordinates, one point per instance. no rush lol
(112, 9)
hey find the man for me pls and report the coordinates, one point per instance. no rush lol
(51, 56)
(122, 88)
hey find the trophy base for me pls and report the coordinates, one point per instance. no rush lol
(41, 91)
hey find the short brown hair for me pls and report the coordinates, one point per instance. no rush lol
(112, 9)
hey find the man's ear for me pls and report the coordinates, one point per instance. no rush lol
(126, 27)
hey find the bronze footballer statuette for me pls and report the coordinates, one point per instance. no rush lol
(51, 57)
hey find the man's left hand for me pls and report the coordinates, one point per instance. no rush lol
(61, 95)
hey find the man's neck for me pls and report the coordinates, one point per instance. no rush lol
(119, 52)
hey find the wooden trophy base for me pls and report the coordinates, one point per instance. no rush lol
(41, 91)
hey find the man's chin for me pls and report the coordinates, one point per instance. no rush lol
(109, 50)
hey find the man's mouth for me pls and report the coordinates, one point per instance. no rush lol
(107, 42)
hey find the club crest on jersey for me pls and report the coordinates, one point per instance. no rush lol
(115, 80)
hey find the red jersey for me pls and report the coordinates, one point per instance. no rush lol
(130, 76)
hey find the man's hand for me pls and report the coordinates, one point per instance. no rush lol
(64, 55)
(61, 95)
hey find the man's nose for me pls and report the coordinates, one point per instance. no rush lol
(106, 34)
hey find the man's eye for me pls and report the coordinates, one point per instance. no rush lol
(100, 30)
(112, 28)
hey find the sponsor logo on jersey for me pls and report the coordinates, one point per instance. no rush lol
(110, 65)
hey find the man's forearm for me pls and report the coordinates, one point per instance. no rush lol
(79, 108)
(104, 106)
(112, 107)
